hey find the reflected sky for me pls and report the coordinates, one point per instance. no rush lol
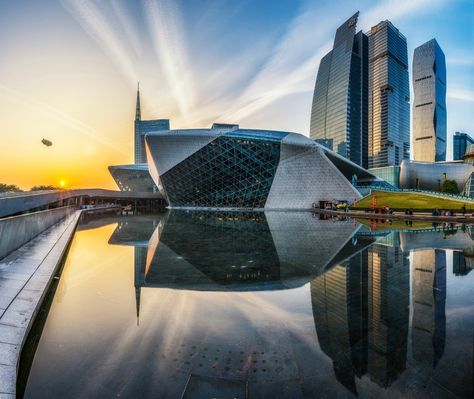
(204, 305)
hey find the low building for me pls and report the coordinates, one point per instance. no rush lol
(133, 177)
(460, 143)
(431, 175)
(229, 167)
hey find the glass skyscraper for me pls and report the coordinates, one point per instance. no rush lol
(460, 143)
(429, 104)
(389, 97)
(339, 109)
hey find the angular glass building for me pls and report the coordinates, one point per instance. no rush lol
(460, 143)
(389, 97)
(339, 109)
(429, 104)
(228, 167)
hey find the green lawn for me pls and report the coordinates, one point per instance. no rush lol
(415, 201)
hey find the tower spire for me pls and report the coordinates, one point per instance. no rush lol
(138, 113)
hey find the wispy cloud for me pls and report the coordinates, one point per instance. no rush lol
(166, 28)
(194, 96)
(461, 94)
(395, 10)
(100, 27)
(61, 117)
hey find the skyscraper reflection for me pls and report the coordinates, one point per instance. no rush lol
(361, 313)
(429, 301)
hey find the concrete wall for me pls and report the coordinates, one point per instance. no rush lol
(21, 202)
(305, 176)
(16, 231)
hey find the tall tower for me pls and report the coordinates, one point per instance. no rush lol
(142, 128)
(429, 104)
(339, 109)
(139, 139)
(389, 96)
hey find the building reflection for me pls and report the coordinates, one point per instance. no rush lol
(359, 284)
(361, 313)
(429, 301)
(236, 251)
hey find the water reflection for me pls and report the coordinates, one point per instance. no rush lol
(261, 305)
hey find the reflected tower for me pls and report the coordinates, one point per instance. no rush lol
(389, 293)
(429, 300)
(361, 313)
(339, 302)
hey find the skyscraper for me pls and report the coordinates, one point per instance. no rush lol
(460, 143)
(389, 97)
(144, 127)
(339, 109)
(429, 104)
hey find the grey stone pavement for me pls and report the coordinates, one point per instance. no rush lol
(25, 275)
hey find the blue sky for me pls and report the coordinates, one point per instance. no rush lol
(72, 65)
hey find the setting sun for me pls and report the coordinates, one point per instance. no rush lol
(62, 183)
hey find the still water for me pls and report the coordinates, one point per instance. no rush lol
(276, 305)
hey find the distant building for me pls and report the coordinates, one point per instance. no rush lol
(429, 103)
(389, 97)
(136, 177)
(339, 109)
(142, 128)
(460, 144)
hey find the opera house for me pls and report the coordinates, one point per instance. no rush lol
(233, 168)
(227, 167)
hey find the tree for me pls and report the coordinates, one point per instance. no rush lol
(7, 188)
(42, 188)
(449, 186)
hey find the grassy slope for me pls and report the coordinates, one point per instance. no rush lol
(418, 201)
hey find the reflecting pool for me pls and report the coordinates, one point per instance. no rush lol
(257, 305)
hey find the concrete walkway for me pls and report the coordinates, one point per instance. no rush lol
(25, 275)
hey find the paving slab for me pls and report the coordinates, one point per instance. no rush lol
(25, 276)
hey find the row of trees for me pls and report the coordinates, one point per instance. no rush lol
(12, 188)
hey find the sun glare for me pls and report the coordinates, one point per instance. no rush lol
(62, 183)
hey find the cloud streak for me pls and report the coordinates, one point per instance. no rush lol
(166, 29)
(100, 28)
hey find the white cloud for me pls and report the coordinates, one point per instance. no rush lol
(100, 28)
(461, 94)
(166, 29)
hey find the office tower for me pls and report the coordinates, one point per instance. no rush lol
(429, 103)
(429, 302)
(389, 97)
(142, 128)
(460, 144)
(339, 109)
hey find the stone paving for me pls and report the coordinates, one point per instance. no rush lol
(25, 275)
